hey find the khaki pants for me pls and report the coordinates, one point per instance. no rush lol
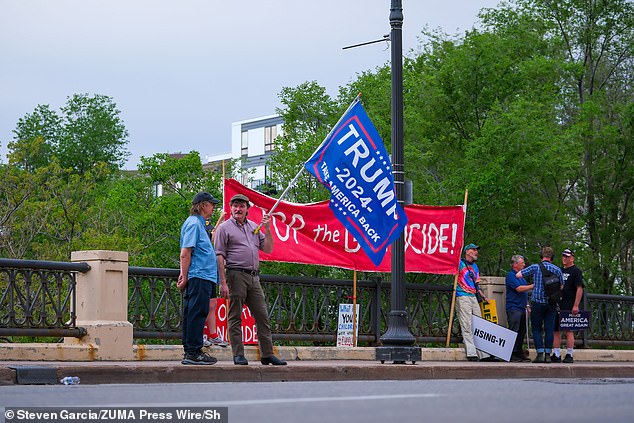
(466, 306)
(246, 289)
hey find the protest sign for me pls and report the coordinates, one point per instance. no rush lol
(569, 321)
(345, 326)
(249, 330)
(310, 234)
(493, 339)
(489, 311)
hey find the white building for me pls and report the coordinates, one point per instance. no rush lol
(252, 141)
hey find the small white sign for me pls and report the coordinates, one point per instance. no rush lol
(493, 339)
(344, 328)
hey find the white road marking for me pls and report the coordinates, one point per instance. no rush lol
(276, 401)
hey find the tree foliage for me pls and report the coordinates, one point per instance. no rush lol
(87, 132)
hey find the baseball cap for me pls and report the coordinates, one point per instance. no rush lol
(471, 246)
(239, 197)
(568, 252)
(204, 196)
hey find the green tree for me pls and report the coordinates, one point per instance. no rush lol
(20, 217)
(183, 176)
(35, 138)
(594, 41)
(88, 131)
(93, 132)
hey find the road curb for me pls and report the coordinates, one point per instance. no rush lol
(174, 372)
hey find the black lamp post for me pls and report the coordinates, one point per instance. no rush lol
(397, 340)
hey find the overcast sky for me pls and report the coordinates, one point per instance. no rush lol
(181, 71)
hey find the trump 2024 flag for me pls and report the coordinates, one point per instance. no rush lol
(353, 164)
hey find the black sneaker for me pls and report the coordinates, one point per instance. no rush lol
(555, 359)
(200, 358)
(568, 359)
(539, 358)
(473, 358)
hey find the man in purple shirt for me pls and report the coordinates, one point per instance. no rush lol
(237, 248)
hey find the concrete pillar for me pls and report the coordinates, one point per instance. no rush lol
(102, 304)
(494, 288)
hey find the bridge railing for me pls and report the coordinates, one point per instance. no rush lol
(37, 298)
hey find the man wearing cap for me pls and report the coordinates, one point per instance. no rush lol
(466, 301)
(237, 248)
(542, 314)
(198, 277)
(570, 301)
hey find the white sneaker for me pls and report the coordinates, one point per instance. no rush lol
(215, 341)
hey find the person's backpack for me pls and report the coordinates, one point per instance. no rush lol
(552, 285)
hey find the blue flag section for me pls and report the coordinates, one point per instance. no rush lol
(353, 164)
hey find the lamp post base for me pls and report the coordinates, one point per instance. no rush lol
(399, 355)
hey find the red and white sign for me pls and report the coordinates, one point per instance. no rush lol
(249, 330)
(310, 234)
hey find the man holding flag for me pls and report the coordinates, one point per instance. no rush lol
(237, 245)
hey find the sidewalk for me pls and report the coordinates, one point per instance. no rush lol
(317, 364)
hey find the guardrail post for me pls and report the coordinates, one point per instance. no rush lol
(102, 304)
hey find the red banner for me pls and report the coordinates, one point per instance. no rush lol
(249, 330)
(310, 234)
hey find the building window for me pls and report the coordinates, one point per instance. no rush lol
(270, 132)
(158, 190)
(245, 143)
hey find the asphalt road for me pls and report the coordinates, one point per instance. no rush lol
(490, 400)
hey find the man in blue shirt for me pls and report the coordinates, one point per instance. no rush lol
(516, 302)
(198, 277)
(542, 314)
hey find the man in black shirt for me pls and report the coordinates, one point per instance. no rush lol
(571, 301)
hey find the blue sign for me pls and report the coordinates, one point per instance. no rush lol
(353, 164)
(569, 321)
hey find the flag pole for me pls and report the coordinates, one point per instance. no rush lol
(272, 209)
(455, 279)
(222, 211)
(294, 180)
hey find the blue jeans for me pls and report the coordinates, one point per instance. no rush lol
(543, 315)
(195, 310)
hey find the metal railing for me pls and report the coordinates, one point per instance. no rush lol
(37, 298)
(306, 309)
(301, 309)
(155, 304)
(611, 319)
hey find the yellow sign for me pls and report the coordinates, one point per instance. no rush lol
(489, 311)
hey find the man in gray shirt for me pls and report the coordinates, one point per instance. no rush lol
(237, 248)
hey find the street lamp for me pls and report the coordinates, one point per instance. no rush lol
(397, 340)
